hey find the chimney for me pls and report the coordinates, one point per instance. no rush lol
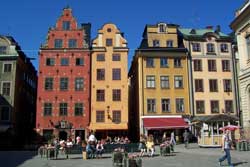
(217, 30)
(209, 27)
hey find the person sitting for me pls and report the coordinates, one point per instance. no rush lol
(150, 145)
(99, 149)
(142, 145)
(165, 147)
(89, 151)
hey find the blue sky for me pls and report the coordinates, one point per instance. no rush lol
(28, 20)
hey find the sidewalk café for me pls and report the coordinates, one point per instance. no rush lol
(208, 129)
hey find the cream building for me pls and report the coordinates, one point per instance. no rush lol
(241, 26)
(213, 82)
(109, 83)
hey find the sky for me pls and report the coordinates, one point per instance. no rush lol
(28, 21)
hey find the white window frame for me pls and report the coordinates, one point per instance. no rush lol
(2, 86)
(7, 63)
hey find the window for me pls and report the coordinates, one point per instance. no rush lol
(227, 85)
(116, 118)
(66, 25)
(72, 43)
(178, 82)
(150, 81)
(162, 28)
(78, 109)
(109, 42)
(197, 65)
(213, 86)
(198, 85)
(248, 45)
(179, 104)
(100, 57)
(3, 49)
(164, 82)
(116, 74)
(149, 62)
(7, 67)
(58, 43)
(48, 84)
(210, 48)
(63, 109)
(196, 47)
(200, 107)
(165, 105)
(116, 95)
(225, 65)
(224, 48)
(116, 57)
(64, 61)
(6, 88)
(156, 43)
(228, 106)
(100, 74)
(212, 65)
(5, 113)
(214, 106)
(47, 109)
(164, 62)
(100, 95)
(63, 83)
(79, 61)
(170, 43)
(177, 63)
(50, 61)
(151, 105)
(100, 116)
(79, 84)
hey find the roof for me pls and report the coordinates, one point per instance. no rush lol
(164, 123)
(200, 32)
(215, 118)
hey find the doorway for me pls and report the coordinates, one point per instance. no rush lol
(63, 135)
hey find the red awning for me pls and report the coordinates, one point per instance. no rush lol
(164, 123)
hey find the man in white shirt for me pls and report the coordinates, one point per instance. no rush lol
(226, 146)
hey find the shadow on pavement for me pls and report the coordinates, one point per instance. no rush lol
(13, 158)
(239, 163)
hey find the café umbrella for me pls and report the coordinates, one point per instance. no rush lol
(229, 127)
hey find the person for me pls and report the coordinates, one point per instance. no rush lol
(142, 145)
(186, 138)
(226, 146)
(92, 138)
(99, 149)
(78, 140)
(150, 145)
(90, 151)
(172, 139)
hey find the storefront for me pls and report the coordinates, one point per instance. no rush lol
(158, 125)
(207, 129)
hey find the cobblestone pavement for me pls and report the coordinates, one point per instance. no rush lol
(192, 157)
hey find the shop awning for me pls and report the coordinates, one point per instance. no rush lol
(164, 123)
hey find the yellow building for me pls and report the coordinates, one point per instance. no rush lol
(159, 84)
(213, 82)
(109, 83)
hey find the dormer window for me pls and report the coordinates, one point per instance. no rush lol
(156, 43)
(162, 28)
(3, 49)
(66, 25)
(169, 43)
(210, 48)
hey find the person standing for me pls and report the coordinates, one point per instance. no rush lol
(226, 146)
(186, 138)
(172, 139)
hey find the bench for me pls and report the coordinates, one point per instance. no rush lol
(131, 147)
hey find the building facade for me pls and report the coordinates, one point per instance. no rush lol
(109, 83)
(241, 27)
(18, 83)
(212, 72)
(159, 82)
(64, 79)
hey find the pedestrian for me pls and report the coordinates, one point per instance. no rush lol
(186, 138)
(172, 139)
(226, 146)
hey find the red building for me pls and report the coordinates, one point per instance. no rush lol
(64, 80)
